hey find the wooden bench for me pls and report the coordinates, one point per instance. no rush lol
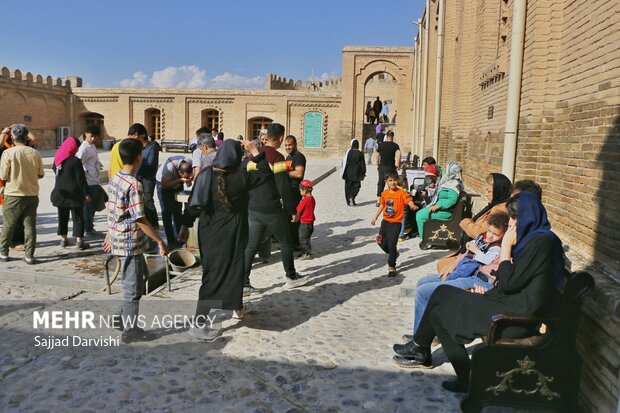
(538, 372)
(167, 145)
(447, 234)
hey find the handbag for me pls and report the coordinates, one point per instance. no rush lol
(102, 199)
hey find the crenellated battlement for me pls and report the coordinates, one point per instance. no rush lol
(275, 82)
(16, 75)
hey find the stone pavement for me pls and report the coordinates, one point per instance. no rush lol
(325, 347)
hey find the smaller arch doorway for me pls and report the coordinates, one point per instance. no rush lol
(152, 121)
(256, 124)
(93, 118)
(210, 118)
(384, 86)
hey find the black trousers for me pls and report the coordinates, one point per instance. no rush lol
(432, 325)
(294, 226)
(77, 215)
(149, 201)
(305, 232)
(389, 232)
(351, 189)
(383, 170)
(277, 224)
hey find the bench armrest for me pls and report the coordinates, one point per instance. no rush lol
(502, 321)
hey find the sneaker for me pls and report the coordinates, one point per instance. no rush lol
(407, 337)
(93, 234)
(4, 257)
(238, 314)
(204, 333)
(64, 243)
(402, 238)
(30, 260)
(83, 246)
(137, 334)
(298, 281)
(304, 257)
(248, 290)
(392, 272)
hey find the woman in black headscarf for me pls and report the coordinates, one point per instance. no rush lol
(220, 200)
(531, 263)
(353, 171)
(498, 189)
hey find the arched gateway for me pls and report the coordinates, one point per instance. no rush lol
(363, 66)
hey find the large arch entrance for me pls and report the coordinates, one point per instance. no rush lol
(256, 124)
(386, 72)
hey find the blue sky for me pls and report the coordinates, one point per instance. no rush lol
(225, 43)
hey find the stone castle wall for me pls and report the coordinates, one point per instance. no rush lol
(569, 139)
(40, 102)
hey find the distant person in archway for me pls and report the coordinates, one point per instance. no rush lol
(377, 107)
(385, 112)
(368, 111)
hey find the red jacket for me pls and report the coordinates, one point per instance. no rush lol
(305, 209)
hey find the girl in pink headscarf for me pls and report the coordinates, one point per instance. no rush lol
(70, 192)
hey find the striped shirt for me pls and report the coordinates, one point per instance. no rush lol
(125, 206)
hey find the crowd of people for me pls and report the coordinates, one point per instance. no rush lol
(245, 194)
(508, 259)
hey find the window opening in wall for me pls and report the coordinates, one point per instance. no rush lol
(256, 124)
(153, 122)
(211, 119)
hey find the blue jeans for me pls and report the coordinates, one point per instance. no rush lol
(89, 208)
(427, 285)
(171, 212)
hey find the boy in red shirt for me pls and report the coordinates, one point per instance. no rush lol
(392, 205)
(305, 211)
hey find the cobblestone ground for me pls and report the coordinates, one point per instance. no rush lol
(325, 347)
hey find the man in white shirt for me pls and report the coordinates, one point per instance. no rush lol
(171, 177)
(87, 153)
(204, 154)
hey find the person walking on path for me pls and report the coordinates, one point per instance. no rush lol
(21, 167)
(370, 146)
(271, 202)
(353, 172)
(377, 107)
(388, 160)
(70, 192)
(220, 199)
(87, 154)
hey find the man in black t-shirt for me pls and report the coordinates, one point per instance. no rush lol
(296, 167)
(388, 160)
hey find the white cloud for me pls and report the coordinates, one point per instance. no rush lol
(179, 77)
(232, 81)
(325, 76)
(191, 77)
(139, 79)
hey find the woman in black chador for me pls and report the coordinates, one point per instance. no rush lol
(220, 199)
(353, 171)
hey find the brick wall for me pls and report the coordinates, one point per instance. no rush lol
(569, 141)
